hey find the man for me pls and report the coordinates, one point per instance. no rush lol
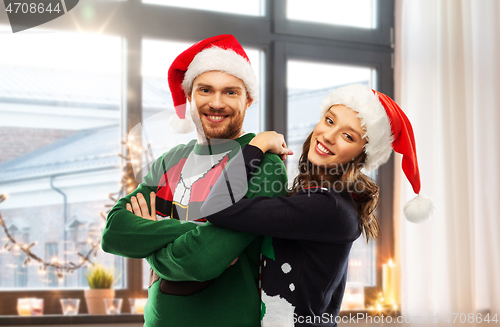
(203, 275)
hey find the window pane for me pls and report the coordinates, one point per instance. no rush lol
(308, 83)
(59, 138)
(357, 13)
(158, 106)
(248, 7)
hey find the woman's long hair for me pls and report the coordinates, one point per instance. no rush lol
(364, 191)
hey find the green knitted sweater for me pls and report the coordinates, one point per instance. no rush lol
(184, 252)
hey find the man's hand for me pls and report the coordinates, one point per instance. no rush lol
(140, 207)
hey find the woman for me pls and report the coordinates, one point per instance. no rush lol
(310, 233)
(304, 265)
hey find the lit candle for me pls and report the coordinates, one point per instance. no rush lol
(70, 306)
(113, 306)
(389, 281)
(24, 307)
(139, 305)
(112, 310)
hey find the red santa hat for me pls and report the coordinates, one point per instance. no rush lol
(219, 53)
(386, 128)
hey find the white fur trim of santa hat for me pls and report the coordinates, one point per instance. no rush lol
(373, 118)
(225, 60)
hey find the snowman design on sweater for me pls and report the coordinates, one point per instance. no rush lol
(277, 309)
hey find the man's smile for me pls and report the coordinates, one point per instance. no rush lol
(215, 118)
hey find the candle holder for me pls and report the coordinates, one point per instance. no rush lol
(378, 306)
(70, 306)
(30, 306)
(354, 297)
(24, 307)
(137, 305)
(113, 306)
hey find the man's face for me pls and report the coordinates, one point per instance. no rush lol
(220, 101)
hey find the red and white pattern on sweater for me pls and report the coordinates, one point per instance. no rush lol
(197, 189)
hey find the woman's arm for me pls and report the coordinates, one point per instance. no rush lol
(317, 215)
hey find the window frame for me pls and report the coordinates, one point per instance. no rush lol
(278, 38)
(380, 35)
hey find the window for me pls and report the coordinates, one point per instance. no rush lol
(248, 7)
(60, 105)
(308, 83)
(357, 13)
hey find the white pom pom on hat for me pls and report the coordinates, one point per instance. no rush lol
(419, 208)
(181, 126)
(387, 128)
(218, 53)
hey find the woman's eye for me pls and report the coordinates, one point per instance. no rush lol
(349, 137)
(329, 121)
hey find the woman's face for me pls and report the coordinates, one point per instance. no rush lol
(337, 138)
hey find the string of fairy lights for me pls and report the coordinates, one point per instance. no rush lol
(61, 267)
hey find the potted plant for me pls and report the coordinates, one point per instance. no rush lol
(101, 281)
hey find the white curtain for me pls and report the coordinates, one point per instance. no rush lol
(448, 82)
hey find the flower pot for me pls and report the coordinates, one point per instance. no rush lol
(95, 300)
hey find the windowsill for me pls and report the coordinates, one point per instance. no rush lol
(70, 320)
(127, 318)
(364, 313)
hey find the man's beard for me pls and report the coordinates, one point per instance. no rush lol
(227, 132)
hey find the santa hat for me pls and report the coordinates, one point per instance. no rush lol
(387, 128)
(218, 53)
